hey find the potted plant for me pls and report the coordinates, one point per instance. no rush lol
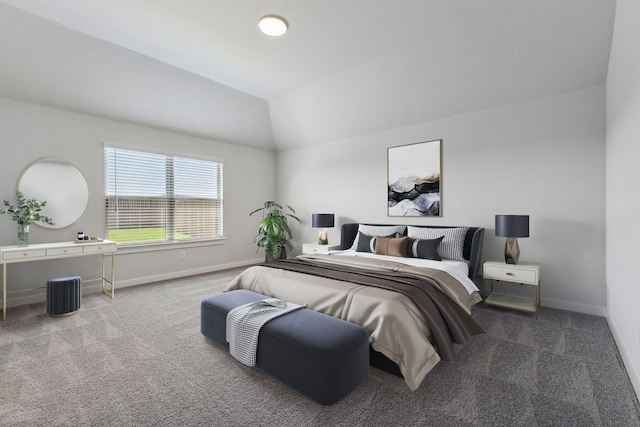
(24, 214)
(274, 234)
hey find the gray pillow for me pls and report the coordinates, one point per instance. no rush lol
(378, 230)
(452, 244)
(367, 243)
(424, 248)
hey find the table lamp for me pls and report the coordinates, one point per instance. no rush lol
(512, 227)
(322, 221)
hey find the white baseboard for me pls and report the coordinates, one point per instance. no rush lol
(38, 295)
(572, 306)
(626, 359)
(184, 273)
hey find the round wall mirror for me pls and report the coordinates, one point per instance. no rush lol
(61, 185)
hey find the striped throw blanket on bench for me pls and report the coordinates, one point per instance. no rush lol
(244, 323)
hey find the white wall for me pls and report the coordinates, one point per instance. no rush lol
(48, 64)
(29, 132)
(544, 158)
(623, 176)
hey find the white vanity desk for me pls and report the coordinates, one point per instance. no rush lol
(45, 251)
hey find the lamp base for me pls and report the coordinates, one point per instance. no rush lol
(511, 251)
(323, 238)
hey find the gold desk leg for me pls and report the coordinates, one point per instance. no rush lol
(113, 272)
(4, 291)
(537, 299)
(104, 279)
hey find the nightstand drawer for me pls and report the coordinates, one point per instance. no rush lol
(512, 274)
(314, 248)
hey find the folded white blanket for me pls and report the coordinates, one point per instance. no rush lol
(244, 323)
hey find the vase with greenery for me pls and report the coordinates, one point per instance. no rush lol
(24, 213)
(274, 234)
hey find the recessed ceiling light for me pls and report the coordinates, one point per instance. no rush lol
(273, 25)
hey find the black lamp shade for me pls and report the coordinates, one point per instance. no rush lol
(322, 220)
(512, 225)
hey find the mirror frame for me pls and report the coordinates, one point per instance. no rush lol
(60, 191)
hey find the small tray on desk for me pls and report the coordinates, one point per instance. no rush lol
(89, 241)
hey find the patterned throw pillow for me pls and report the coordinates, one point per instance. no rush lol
(392, 246)
(452, 244)
(378, 230)
(367, 243)
(424, 248)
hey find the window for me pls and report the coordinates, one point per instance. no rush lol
(153, 197)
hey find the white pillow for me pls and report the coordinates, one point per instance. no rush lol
(378, 230)
(451, 247)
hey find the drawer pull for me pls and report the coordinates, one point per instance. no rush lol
(510, 273)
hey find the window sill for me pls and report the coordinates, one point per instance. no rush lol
(133, 248)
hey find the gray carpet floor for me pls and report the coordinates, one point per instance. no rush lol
(140, 360)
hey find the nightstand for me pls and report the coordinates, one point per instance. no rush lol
(314, 248)
(524, 274)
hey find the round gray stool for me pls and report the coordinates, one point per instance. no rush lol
(64, 296)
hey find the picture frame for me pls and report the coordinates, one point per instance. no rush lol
(414, 178)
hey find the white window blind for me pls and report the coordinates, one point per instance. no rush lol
(152, 197)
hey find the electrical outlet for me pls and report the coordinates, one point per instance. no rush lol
(183, 254)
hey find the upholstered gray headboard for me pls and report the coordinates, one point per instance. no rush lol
(472, 251)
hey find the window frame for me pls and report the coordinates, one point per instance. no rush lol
(143, 246)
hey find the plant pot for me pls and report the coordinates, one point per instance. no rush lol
(23, 235)
(283, 255)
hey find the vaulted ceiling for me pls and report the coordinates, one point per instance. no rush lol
(344, 68)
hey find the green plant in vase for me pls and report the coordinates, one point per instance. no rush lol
(25, 213)
(274, 234)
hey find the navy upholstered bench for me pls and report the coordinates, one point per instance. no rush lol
(320, 356)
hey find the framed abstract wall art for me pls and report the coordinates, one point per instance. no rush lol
(414, 177)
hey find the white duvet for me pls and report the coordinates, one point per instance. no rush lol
(457, 269)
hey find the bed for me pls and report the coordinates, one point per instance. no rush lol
(411, 288)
